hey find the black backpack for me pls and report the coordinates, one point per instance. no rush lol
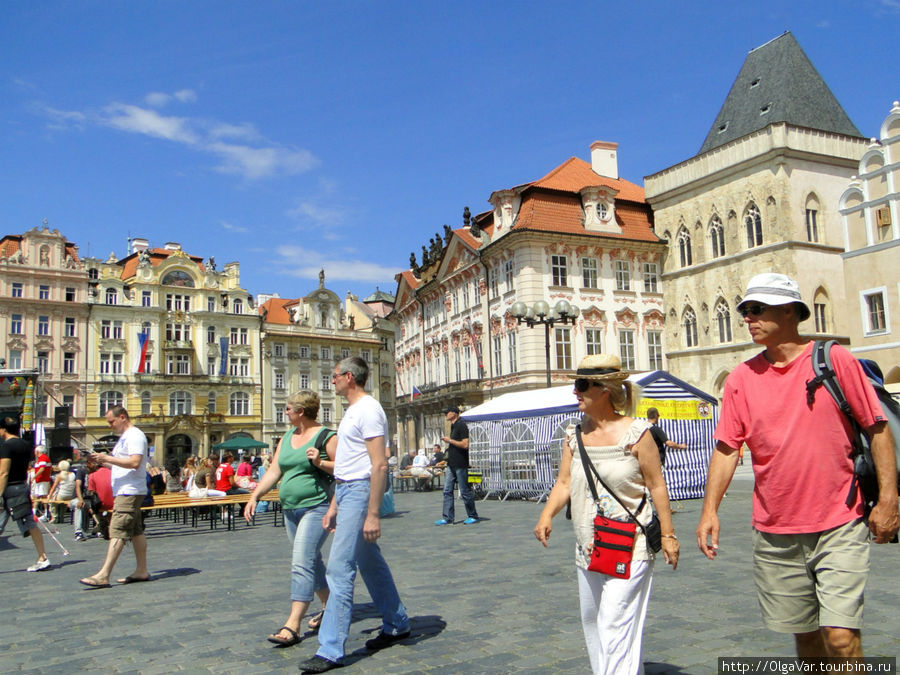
(866, 479)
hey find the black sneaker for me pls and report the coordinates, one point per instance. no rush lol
(319, 664)
(383, 640)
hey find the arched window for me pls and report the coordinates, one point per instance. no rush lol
(689, 321)
(146, 403)
(237, 307)
(684, 247)
(821, 310)
(178, 278)
(240, 403)
(812, 218)
(723, 321)
(716, 237)
(180, 403)
(110, 399)
(753, 226)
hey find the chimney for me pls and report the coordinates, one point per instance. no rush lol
(139, 244)
(172, 246)
(605, 158)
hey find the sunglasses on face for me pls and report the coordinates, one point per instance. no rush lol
(752, 310)
(582, 385)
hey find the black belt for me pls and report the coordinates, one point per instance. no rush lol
(352, 480)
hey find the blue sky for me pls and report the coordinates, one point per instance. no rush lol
(292, 136)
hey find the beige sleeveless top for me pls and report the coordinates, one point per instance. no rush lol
(622, 472)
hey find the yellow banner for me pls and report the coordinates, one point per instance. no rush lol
(676, 409)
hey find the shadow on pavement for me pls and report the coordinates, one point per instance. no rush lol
(175, 572)
(420, 628)
(651, 668)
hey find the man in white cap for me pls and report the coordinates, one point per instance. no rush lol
(811, 543)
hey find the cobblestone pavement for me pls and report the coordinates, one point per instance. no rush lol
(484, 598)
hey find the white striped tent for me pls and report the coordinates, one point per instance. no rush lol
(515, 440)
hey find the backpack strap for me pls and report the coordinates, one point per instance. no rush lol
(825, 376)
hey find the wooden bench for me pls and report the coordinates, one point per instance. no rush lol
(180, 504)
(405, 480)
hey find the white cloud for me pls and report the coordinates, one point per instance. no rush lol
(233, 228)
(149, 122)
(243, 132)
(62, 119)
(160, 99)
(260, 162)
(305, 263)
(254, 158)
(157, 99)
(309, 213)
(186, 95)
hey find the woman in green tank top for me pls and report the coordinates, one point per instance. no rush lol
(303, 462)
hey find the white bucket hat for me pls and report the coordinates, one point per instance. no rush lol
(775, 289)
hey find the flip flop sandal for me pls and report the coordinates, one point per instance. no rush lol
(93, 583)
(275, 639)
(315, 621)
(133, 580)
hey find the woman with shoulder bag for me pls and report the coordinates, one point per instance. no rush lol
(304, 463)
(610, 470)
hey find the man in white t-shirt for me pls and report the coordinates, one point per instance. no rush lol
(360, 470)
(128, 468)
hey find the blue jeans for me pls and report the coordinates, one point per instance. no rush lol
(306, 534)
(350, 550)
(452, 477)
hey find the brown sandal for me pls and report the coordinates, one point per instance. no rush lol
(315, 621)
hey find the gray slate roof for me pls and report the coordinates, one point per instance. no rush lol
(777, 83)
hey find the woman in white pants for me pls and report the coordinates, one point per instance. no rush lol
(625, 456)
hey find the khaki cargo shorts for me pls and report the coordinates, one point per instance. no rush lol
(126, 521)
(806, 581)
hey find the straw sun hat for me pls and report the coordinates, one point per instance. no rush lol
(600, 368)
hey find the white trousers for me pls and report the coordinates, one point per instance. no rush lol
(612, 617)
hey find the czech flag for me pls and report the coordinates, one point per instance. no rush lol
(140, 365)
(415, 393)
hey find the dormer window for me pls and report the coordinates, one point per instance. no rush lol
(602, 211)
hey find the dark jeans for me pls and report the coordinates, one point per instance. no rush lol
(452, 477)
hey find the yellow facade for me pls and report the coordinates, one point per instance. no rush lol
(200, 379)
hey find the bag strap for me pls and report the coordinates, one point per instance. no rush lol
(322, 438)
(826, 376)
(589, 469)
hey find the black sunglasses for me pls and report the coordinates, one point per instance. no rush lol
(753, 310)
(582, 384)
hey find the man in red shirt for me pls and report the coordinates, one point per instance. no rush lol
(42, 471)
(225, 477)
(811, 543)
(100, 482)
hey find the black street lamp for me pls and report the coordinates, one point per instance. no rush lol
(540, 313)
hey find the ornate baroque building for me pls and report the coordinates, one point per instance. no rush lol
(44, 318)
(761, 195)
(580, 234)
(197, 381)
(303, 338)
(870, 215)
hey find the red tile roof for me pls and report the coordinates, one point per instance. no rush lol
(157, 256)
(277, 310)
(555, 212)
(10, 244)
(575, 174)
